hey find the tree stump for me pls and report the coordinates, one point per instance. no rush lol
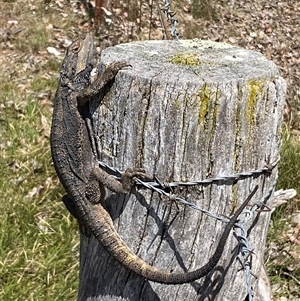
(185, 111)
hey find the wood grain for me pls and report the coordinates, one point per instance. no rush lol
(186, 110)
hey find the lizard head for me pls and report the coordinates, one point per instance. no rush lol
(80, 54)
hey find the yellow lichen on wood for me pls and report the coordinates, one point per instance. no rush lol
(187, 59)
(234, 200)
(216, 106)
(255, 89)
(237, 149)
(205, 95)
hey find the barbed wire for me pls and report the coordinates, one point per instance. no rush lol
(219, 180)
(170, 16)
(244, 248)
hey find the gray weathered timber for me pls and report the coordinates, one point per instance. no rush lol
(74, 158)
(186, 110)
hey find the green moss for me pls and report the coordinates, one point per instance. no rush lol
(255, 87)
(186, 59)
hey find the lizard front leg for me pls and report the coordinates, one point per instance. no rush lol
(102, 177)
(100, 82)
(127, 179)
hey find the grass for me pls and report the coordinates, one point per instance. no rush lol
(282, 256)
(38, 239)
(39, 245)
(290, 152)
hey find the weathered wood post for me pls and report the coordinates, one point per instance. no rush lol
(185, 111)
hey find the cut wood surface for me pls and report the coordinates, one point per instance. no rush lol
(184, 111)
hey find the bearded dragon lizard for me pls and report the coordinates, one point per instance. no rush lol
(84, 181)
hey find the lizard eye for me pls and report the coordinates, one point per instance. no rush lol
(75, 47)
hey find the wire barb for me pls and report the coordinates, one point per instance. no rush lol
(170, 16)
(260, 206)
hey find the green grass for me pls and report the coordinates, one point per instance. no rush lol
(282, 259)
(39, 246)
(38, 239)
(290, 162)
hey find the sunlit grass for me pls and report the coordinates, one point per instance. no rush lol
(38, 239)
(282, 255)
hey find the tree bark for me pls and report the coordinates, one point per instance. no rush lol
(184, 111)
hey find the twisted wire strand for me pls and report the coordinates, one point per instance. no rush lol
(244, 248)
(170, 16)
(220, 180)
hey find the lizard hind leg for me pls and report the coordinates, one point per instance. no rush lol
(127, 179)
(95, 191)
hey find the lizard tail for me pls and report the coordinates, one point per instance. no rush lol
(113, 243)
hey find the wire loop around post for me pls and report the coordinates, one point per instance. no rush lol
(246, 252)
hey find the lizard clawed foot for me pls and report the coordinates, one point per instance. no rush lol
(127, 178)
